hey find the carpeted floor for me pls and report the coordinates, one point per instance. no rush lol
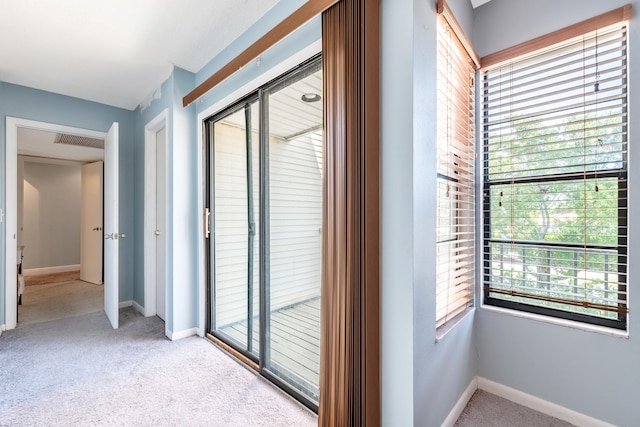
(73, 369)
(44, 279)
(59, 300)
(488, 410)
(78, 371)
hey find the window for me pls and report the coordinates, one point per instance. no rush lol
(455, 234)
(555, 180)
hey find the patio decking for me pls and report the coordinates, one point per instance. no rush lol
(294, 342)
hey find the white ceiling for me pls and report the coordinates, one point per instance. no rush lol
(476, 3)
(115, 52)
(39, 144)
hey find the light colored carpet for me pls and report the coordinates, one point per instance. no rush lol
(78, 372)
(59, 300)
(44, 279)
(488, 410)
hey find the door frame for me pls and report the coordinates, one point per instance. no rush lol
(11, 215)
(150, 264)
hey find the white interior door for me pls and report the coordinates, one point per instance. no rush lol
(91, 236)
(160, 232)
(111, 227)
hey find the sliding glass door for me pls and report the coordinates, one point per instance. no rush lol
(265, 194)
(235, 203)
(294, 109)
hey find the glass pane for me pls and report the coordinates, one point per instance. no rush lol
(555, 245)
(235, 229)
(583, 212)
(295, 230)
(556, 277)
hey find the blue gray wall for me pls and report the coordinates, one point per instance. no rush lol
(183, 199)
(590, 372)
(422, 379)
(32, 104)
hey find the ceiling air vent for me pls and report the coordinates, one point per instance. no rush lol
(79, 141)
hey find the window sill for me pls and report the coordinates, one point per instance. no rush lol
(443, 330)
(555, 321)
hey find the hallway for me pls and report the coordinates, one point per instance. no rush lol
(53, 301)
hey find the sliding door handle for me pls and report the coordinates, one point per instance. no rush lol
(207, 223)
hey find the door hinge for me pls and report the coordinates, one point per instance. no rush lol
(207, 223)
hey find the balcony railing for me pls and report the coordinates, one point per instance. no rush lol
(574, 278)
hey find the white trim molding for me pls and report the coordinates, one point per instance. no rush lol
(137, 307)
(521, 398)
(123, 304)
(49, 270)
(461, 404)
(181, 334)
(539, 404)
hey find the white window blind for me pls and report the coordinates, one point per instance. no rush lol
(555, 180)
(455, 183)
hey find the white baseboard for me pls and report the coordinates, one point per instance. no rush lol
(137, 307)
(461, 403)
(49, 270)
(181, 334)
(539, 405)
(123, 304)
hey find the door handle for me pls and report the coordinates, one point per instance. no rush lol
(207, 223)
(157, 232)
(115, 236)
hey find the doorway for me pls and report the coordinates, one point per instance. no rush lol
(60, 150)
(155, 216)
(59, 231)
